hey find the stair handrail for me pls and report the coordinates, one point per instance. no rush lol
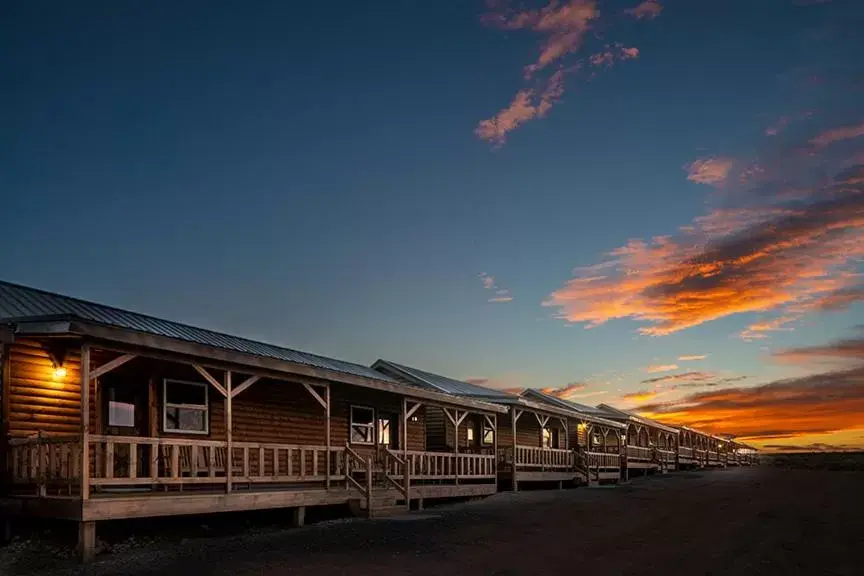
(351, 454)
(403, 488)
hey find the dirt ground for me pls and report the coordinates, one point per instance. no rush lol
(745, 521)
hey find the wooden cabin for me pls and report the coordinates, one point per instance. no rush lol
(651, 446)
(545, 450)
(110, 414)
(599, 439)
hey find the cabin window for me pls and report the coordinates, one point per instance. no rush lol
(388, 431)
(488, 434)
(550, 438)
(471, 435)
(185, 407)
(362, 425)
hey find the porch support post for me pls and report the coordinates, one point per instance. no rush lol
(327, 438)
(406, 481)
(85, 431)
(495, 448)
(514, 417)
(87, 541)
(456, 422)
(229, 451)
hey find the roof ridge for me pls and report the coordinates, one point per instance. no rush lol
(157, 318)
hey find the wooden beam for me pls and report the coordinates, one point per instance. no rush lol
(315, 395)
(229, 445)
(449, 416)
(516, 415)
(113, 364)
(413, 409)
(85, 421)
(327, 437)
(246, 384)
(461, 418)
(213, 382)
(491, 420)
(221, 359)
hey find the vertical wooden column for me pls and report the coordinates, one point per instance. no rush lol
(327, 440)
(229, 445)
(456, 444)
(495, 448)
(406, 480)
(87, 541)
(85, 421)
(513, 419)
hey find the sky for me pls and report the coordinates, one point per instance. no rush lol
(655, 205)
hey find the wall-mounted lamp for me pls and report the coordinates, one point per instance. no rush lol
(57, 354)
(415, 418)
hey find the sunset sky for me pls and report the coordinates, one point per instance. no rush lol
(655, 205)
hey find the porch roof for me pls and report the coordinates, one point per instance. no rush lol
(618, 414)
(38, 312)
(586, 413)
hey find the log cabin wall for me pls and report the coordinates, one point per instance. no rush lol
(527, 430)
(34, 400)
(440, 431)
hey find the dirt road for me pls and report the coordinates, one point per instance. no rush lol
(738, 521)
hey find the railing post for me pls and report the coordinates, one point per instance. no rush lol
(85, 421)
(369, 486)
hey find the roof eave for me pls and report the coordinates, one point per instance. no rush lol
(175, 346)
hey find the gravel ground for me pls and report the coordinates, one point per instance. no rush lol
(736, 521)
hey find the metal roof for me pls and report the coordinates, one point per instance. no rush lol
(613, 412)
(588, 412)
(21, 303)
(448, 385)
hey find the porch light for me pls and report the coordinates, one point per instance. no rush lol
(59, 373)
(581, 426)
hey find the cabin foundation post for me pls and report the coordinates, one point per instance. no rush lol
(298, 517)
(419, 504)
(87, 541)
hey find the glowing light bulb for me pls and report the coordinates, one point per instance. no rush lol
(59, 373)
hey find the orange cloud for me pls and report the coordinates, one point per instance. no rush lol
(648, 9)
(758, 330)
(826, 403)
(838, 134)
(565, 391)
(660, 368)
(849, 350)
(692, 357)
(641, 395)
(526, 105)
(501, 294)
(611, 53)
(713, 171)
(780, 254)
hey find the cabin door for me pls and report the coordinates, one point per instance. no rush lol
(124, 412)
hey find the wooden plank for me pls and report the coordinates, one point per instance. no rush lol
(413, 409)
(133, 461)
(244, 385)
(213, 382)
(315, 395)
(175, 461)
(229, 446)
(327, 434)
(85, 421)
(109, 460)
(112, 365)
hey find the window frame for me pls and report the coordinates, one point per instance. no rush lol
(373, 425)
(205, 407)
(470, 436)
(485, 427)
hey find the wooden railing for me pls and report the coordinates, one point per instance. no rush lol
(685, 452)
(638, 453)
(45, 461)
(442, 466)
(603, 460)
(355, 464)
(545, 458)
(396, 472)
(666, 456)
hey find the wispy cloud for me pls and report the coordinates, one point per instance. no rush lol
(785, 245)
(692, 357)
(690, 377)
(526, 105)
(566, 391)
(562, 26)
(648, 9)
(713, 171)
(838, 134)
(849, 350)
(760, 330)
(814, 404)
(500, 294)
(654, 368)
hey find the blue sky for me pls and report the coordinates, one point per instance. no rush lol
(316, 178)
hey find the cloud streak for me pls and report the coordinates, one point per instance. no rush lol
(562, 27)
(692, 357)
(653, 368)
(822, 403)
(712, 171)
(500, 294)
(648, 9)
